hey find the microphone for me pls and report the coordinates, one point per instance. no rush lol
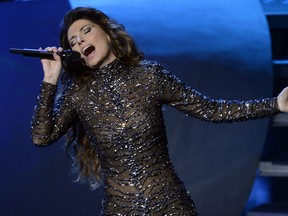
(66, 55)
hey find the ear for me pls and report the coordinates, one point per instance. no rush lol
(108, 38)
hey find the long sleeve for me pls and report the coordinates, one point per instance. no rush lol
(178, 95)
(49, 121)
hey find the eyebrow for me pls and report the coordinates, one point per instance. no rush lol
(80, 31)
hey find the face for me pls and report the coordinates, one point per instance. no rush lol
(90, 40)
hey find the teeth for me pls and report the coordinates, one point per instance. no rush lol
(84, 50)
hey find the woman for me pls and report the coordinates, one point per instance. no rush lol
(111, 111)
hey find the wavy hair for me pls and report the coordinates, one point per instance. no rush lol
(86, 163)
(123, 46)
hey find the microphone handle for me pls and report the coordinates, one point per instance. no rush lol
(44, 53)
(32, 53)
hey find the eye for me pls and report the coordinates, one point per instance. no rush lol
(72, 43)
(87, 29)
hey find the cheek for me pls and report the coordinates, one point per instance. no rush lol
(103, 39)
(101, 45)
(107, 43)
(76, 48)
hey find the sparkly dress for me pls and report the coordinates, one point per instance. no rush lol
(120, 108)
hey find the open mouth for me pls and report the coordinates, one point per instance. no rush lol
(87, 50)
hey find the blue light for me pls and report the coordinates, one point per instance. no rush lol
(260, 194)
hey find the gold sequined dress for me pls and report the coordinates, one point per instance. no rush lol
(120, 108)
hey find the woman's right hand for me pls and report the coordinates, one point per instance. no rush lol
(52, 67)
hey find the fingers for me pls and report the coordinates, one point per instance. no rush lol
(52, 49)
(55, 51)
(52, 66)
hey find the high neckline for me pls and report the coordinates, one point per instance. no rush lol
(110, 68)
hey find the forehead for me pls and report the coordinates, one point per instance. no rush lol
(77, 25)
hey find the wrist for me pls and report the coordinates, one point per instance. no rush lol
(50, 80)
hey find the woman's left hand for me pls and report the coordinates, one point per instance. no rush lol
(282, 100)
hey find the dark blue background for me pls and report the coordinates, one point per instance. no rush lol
(221, 48)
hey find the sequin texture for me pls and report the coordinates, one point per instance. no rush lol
(121, 110)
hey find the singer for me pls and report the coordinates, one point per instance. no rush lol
(111, 112)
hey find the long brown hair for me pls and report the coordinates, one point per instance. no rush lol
(86, 162)
(123, 46)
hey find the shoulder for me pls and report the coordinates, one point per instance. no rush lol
(153, 72)
(150, 68)
(150, 65)
(156, 69)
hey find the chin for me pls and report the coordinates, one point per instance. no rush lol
(93, 64)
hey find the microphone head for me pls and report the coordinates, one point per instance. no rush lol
(70, 56)
(72, 61)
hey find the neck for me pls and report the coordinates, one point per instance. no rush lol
(107, 60)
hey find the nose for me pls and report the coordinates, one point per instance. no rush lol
(79, 39)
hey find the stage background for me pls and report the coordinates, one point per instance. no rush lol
(221, 48)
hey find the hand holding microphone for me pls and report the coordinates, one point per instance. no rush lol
(51, 64)
(52, 59)
(68, 55)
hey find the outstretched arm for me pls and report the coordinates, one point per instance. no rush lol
(193, 103)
